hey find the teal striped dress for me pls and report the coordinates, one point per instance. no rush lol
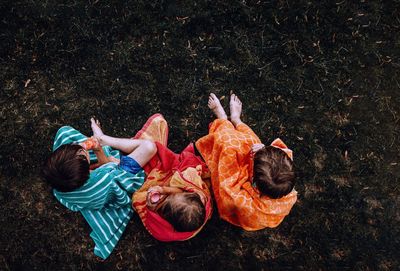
(105, 199)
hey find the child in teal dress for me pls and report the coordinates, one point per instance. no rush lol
(102, 195)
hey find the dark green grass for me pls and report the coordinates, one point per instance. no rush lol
(321, 75)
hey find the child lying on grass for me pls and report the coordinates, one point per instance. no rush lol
(102, 195)
(251, 201)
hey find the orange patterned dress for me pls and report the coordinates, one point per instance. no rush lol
(226, 150)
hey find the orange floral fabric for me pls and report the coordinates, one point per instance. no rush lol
(226, 150)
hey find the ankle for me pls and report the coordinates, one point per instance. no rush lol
(236, 121)
(100, 138)
(223, 117)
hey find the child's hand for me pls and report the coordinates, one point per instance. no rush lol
(91, 143)
(96, 143)
(256, 147)
(155, 195)
(156, 188)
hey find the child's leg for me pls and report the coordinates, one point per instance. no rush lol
(139, 149)
(235, 106)
(215, 105)
(236, 111)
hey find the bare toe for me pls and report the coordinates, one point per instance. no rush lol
(238, 100)
(211, 103)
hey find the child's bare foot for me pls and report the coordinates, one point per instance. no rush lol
(215, 105)
(236, 109)
(97, 132)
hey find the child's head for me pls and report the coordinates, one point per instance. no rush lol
(67, 168)
(273, 172)
(184, 211)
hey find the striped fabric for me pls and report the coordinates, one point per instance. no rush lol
(105, 199)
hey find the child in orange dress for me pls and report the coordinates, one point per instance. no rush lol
(253, 184)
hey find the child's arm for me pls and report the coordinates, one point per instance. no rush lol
(157, 194)
(102, 158)
(256, 147)
(94, 145)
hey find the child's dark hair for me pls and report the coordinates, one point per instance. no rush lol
(65, 170)
(184, 215)
(273, 172)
